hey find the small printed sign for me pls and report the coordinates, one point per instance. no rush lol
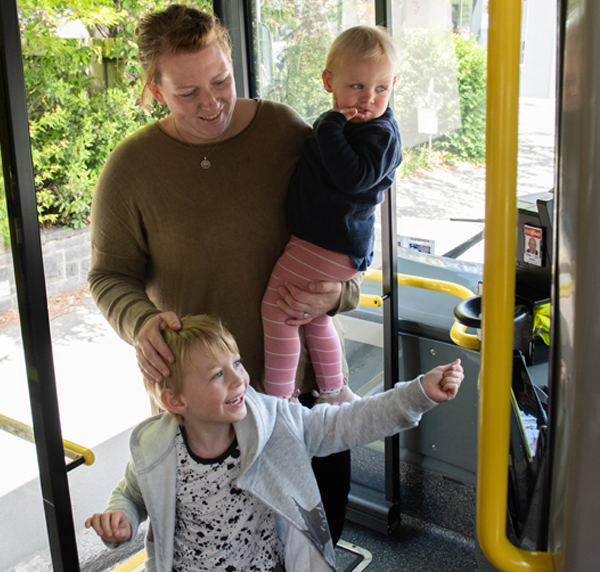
(532, 245)
(419, 244)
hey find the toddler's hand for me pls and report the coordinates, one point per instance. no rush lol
(111, 526)
(347, 112)
(442, 383)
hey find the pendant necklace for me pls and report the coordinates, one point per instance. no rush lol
(205, 163)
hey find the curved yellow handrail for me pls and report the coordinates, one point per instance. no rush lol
(458, 332)
(459, 336)
(25, 432)
(499, 293)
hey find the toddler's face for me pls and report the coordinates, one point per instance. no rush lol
(361, 83)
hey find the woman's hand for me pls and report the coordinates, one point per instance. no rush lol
(151, 348)
(111, 526)
(304, 305)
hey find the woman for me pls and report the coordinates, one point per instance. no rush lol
(188, 213)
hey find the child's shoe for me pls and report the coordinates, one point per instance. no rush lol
(294, 397)
(345, 395)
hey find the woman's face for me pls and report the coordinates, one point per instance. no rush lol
(199, 90)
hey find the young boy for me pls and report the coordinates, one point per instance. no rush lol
(225, 474)
(346, 165)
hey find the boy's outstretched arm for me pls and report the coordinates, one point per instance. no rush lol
(442, 383)
(111, 526)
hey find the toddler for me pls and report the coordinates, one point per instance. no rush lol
(346, 165)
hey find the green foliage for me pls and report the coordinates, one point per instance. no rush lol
(72, 135)
(468, 142)
(299, 39)
(428, 54)
(428, 61)
(75, 119)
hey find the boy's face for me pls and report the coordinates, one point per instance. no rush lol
(214, 389)
(532, 244)
(361, 83)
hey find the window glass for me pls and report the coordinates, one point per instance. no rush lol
(292, 40)
(440, 104)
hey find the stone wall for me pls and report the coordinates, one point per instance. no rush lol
(67, 257)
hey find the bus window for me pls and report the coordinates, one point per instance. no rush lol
(291, 44)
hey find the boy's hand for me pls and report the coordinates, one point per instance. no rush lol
(442, 383)
(111, 526)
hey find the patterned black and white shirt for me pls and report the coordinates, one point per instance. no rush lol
(218, 526)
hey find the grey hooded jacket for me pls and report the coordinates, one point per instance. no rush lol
(277, 440)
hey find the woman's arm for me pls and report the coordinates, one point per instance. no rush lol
(119, 251)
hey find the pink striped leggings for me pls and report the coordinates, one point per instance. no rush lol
(300, 264)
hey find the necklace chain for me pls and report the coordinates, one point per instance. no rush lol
(205, 163)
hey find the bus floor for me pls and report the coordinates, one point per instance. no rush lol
(412, 547)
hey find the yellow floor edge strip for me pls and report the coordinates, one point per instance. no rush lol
(134, 564)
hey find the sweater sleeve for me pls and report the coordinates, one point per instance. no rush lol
(359, 161)
(127, 497)
(119, 250)
(350, 296)
(330, 429)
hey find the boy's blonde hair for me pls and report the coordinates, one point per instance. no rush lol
(367, 42)
(204, 331)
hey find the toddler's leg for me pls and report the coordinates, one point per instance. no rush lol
(321, 337)
(282, 344)
(326, 355)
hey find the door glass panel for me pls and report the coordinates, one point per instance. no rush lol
(21, 506)
(292, 40)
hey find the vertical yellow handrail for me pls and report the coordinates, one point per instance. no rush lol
(498, 300)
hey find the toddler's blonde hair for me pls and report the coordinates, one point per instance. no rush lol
(366, 42)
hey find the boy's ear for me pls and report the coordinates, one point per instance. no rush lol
(173, 403)
(155, 91)
(327, 79)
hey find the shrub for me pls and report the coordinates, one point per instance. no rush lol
(468, 142)
(428, 60)
(463, 134)
(74, 124)
(71, 137)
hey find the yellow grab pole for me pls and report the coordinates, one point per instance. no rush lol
(498, 300)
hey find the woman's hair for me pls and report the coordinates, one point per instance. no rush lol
(177, 30)
(366, 42)
(202, 331)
